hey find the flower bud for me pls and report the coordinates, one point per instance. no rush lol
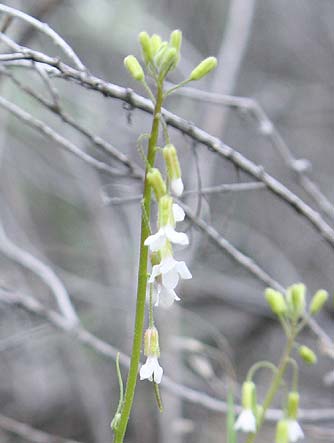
(158, 184)
(146, 46)
(318, 300)
(276, 301)
(133, 66)
(296, 299)
(165, 216)
(168, 60)
(155, 44)
(176, 40)
(248, 395)
(307, 355)
(151, 342)
(206, 66)
(293, 405)
(282, 432)
(173, 169)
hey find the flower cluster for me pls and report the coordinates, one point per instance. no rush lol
(160, 58)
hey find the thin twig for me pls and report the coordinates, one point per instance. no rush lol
(29, 433)
(44, 272)
(58, 138)
(267, 128)
(45, 29)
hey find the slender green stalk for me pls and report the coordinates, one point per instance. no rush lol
(142, 280)
(275, 384)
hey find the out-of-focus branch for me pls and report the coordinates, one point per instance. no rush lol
(33, 306)
(29, 433)
(255, 269)
(56, 108)
(45, 29)
(44, 272)
(195, 133)
(266, 126)
(44, 129)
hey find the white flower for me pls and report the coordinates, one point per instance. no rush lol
(177, 187)
(163, 296)
(170, 270)
(246, 421)
(295, 431)
(151, 370)
(167, 232)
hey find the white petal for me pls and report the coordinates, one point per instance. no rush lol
(177, 186)
(246, 421)
(167, 264)
(179, 238)
(178, 213)
(167, 297)
(158, 371)
(156, 241)
(147, 369)
(183, 270)
(295, 432)
(170, 279)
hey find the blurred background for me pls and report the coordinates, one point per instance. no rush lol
(56, 207)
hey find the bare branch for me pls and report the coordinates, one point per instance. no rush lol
(33, 306)
(55, 136)
(45, 29)
(44, 272)
(29, 433)
(267, 128)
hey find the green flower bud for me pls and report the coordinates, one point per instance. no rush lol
(146, 46)
(282, 432)
(276, 301)
(168, 61)
(293, 405)
(172, 162)
(151, 343)
(160, 54)
(318, 300)
(158, 184)
(295, 296)
(165, 216)
(203, 68)
(155, 44)
(307, 355)
(133, 66)
(248, 395)
(176, 40)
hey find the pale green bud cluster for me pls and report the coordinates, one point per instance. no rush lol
(151, 342)
(292, 306)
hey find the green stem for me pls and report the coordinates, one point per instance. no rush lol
(275, 384)
(142, 280)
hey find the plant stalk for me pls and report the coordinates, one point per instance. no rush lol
(142, 278)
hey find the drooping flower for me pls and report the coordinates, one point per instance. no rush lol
(246, 421)
(169, 214)
(151, 370)
(170, 271)
(163, 296)
(295, 432)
